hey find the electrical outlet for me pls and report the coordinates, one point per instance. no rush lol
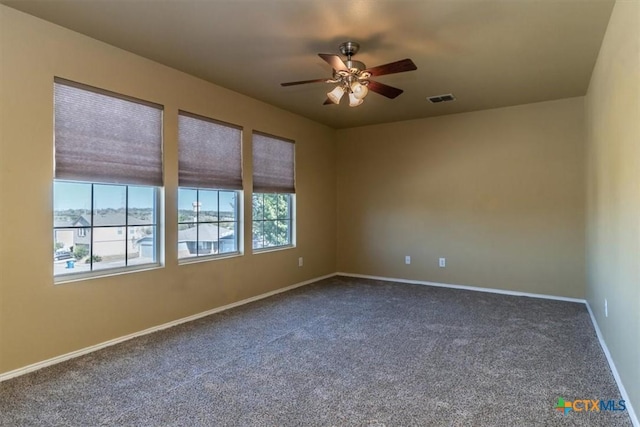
(442, 262)
(300, 262)
(606, 308)
(407, 260)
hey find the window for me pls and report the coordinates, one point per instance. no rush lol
(274, 189)
(108, 170)
(210, 181)
(207, 222)
(98, 213)
(271, 220)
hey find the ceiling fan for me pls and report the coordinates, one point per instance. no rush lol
(354, 78)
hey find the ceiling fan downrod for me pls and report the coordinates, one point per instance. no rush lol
(349, 49)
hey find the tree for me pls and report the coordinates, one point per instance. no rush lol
(271, 219)
(80, 252)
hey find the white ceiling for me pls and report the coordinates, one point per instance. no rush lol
(488, 53)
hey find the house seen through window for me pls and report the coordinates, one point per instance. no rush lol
(207, 222)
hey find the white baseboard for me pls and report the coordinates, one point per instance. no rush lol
(465, 287)
(55, 360)
(605, 349)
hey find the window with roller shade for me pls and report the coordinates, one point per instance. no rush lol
(273, 191)
(210, 184)
(107, 179)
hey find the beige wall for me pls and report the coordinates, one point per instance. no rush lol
(40, 320)
(613, 192)
(499, 193)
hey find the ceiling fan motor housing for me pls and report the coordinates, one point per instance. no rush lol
(349, 49)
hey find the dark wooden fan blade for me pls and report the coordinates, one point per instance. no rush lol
(302, 82)
(334, 61)
(384, 90)
(393, 67)
(328, 102)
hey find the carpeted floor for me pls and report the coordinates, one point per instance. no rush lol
(339, 352)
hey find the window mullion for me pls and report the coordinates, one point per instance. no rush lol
(197, 222)
(126, 225)
(156, 225)
(218, 218)
(261, 219)
(236, 231)
(91, 229)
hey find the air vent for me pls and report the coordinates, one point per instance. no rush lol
(441, 98)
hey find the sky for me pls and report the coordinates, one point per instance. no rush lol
(208, 199)
(76, 195)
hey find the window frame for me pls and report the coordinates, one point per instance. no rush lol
(82, 232)
(237, 229)
(291, 220)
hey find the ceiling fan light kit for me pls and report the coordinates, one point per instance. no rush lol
(354, 78)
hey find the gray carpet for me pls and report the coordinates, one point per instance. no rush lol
(339, 352)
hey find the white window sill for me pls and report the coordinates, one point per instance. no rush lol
(273, 249)
(78, 277)
(206, 258)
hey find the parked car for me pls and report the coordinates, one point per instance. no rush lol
(62, 254)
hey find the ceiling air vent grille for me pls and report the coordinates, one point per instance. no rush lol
(441, 98)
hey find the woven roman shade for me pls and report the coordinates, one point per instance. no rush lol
(210, 153)
(273, 164)
(104, 137)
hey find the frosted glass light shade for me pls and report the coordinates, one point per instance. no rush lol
(359, 90)
(353, 101)
(336, 94)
